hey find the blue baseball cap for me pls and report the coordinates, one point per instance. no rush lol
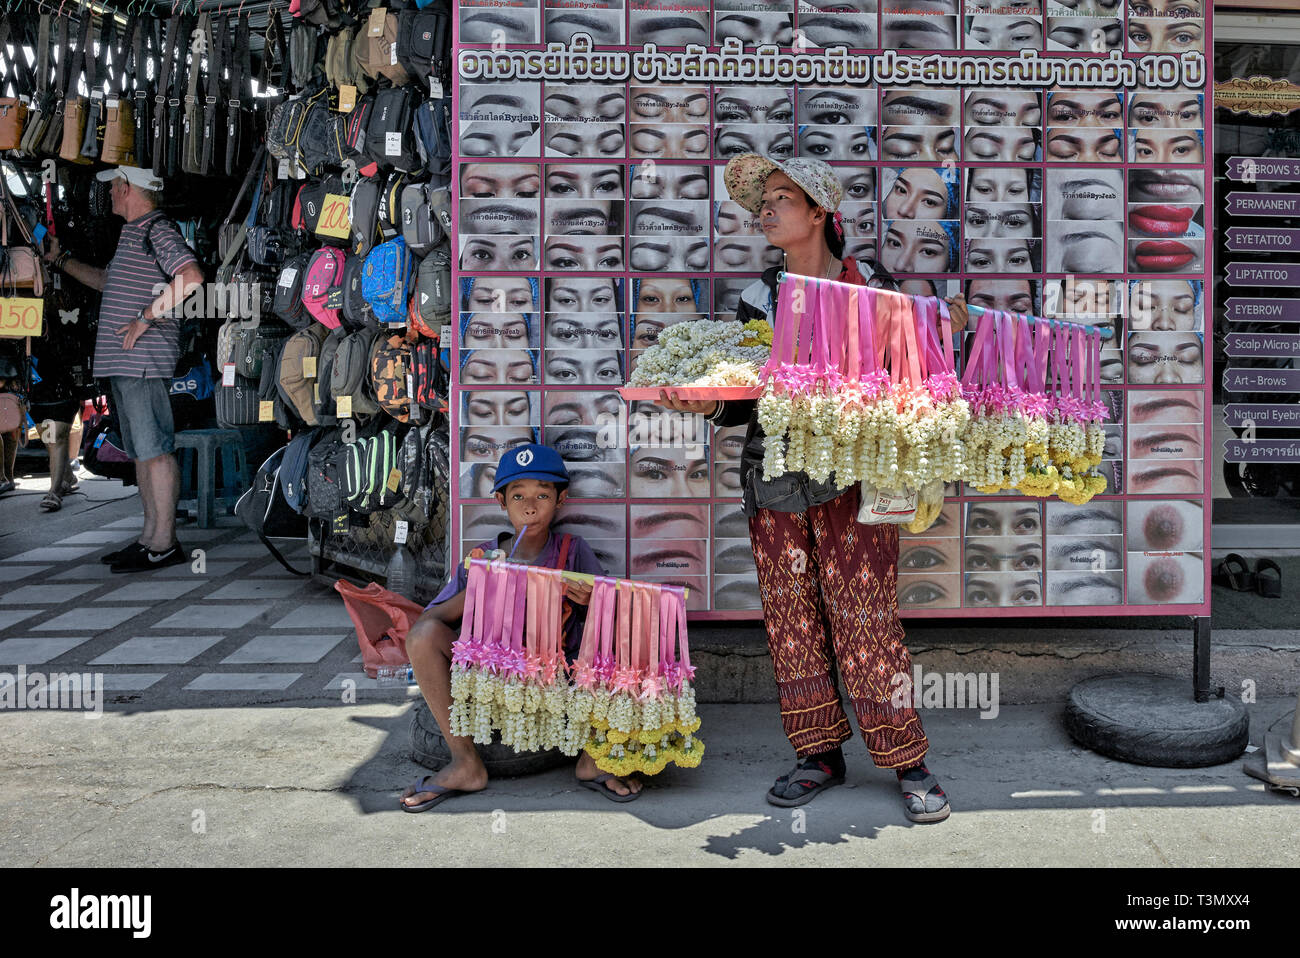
(533, 461)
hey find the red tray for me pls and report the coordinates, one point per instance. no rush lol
(692, 392)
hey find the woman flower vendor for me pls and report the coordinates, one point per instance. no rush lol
(828, 583)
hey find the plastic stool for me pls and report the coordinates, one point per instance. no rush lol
(196, 451)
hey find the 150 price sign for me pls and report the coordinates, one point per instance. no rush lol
(21, 316)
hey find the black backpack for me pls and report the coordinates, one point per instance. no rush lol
(288, 292)
(264, 509)
(424, 40)
(390, 140)
(356, 313)
(363, 212)
(323, 141)
(324, 473)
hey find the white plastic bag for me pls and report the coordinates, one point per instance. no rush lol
(888, 506)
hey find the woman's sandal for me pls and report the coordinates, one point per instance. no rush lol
(919, 805)
(810, 781)
(1269, 586)
(52, 502)
(1234, 572)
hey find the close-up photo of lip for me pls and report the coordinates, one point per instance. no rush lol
(1164, 186)
(1162, 220)
(1158, 256)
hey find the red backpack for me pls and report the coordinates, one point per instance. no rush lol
(322, 287)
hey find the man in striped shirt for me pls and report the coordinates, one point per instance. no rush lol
(137, 347)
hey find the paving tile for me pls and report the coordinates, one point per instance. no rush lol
(45, 594)
(316, 615)
(284, 648)
(52, 554)
(10, 617)
(212, 617)
(12, 573)
(211, 571)
(248, 550)
(131, 522)
(273, 569)
(97, 537)
(365, 683)
(157, 650)
(252, 588)
(242, 681)
(95, 620)
(31, 651)
(131, 681)
(188, 534)
(83, 571)
(153, 590)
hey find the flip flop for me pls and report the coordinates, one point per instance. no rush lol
(440, 795)
(820, 781)
(919, 790)
(1269, 586)
(597, 784)
(52, 502)
(1234, 572)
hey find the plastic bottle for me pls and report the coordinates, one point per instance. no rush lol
(394, 675)
(401, 572)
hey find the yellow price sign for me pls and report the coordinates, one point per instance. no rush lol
(21, 316)
(343, 407)
(334, 217)
(265, 410)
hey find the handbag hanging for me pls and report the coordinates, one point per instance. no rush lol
(38, 116)
(161, 111)
(76, 108)
(142, 58)
(53, 137)
(176, 116)
(210, 160)
(119, 119)
(192, 123)
(20, 265)
(92, 141)
(13, 109)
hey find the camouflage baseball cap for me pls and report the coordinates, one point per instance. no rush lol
(745, 175)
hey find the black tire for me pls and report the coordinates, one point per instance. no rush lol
(1152, 720)
(429, 749)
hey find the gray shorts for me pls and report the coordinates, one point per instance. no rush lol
(144, 414)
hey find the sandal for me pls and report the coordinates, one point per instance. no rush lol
(1269, 586)
(1234, 572)
(52, 502)
(597, 784)
(806, 782)
(924, 800)
(440, 795)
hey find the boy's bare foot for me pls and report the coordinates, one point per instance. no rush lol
(587, 772)
(461, 775)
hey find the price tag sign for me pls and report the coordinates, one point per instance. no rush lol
(21, 316)
(347, 98)
(376, 26)
(394, 478)
(435, 88)
(343, 406)
(265, 410)
(334, 217)
(228, 374)
(399, 534)
(309, 367)
(393, 55)
(340, 524)
(393, 144)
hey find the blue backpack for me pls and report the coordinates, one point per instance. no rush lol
(386, 279)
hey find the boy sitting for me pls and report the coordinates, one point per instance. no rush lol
(531, 484)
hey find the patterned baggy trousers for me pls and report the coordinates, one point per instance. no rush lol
(829, 589)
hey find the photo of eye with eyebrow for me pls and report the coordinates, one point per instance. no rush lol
(1167, 146)
(754, 28)
(1003, 144)
(1002, 255)
(1181, 111)
(670, 104)
(848, 108)
(1086, 588)
(732, 219)
(670, 142)
(488, 216)
(605, 27)
(769, 139)
(487, 23)
(584, 331)
(1164, 441)
(497, 102)
(1003, 108)
(920, 193)
(586, 253)
(919, 32)
(858, 184)
(920, 107)
(498, 330)
(1085, 247)
(585, 139)
(674, 27)
(1182, 406)
(859, 219)
(1085, 34)
(727, 446)
(592, 181)
(743, 104)
(1166, 359)
(1103, 109)
(1084, 145)
(1003, 590)
(484, 138)
(1175, 35)
(1100, 517)
(499, 253)
(500, 180)
(585, 103)
(837, 23)
(584, 218)
(919, 246)
(990, 32)
(668, 253)
(745, 254)
(597, 440)
(1085, 8)
(653, 181)
(1095, 301)
(837, 142)
(1000, 220)
(1165, 305)
(928, 556)
(497, 407)
(663, 219)
(1085, 194)
(919, 144)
